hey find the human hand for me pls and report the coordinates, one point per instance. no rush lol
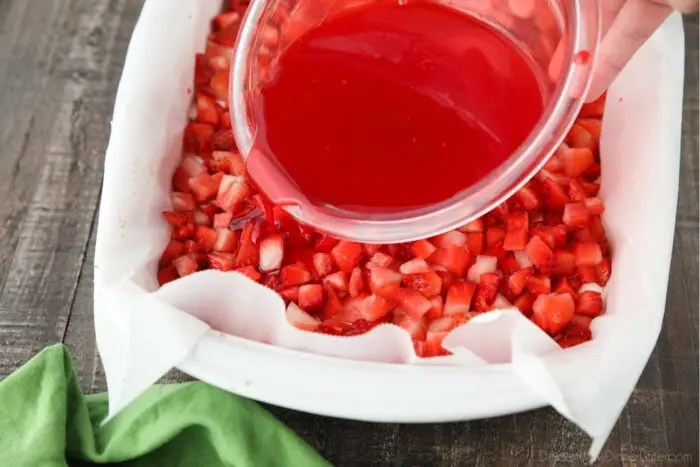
(626, 26)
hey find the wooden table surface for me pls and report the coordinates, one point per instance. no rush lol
(60, 62)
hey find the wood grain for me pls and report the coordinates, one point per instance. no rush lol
(60, 62)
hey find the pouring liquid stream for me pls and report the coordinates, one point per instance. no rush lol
(387, 108)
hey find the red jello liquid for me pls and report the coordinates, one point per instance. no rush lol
(389, 107)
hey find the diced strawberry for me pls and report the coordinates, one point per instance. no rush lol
(226, 240)
(522, 259)
(579, 137)
(323, 265)
(223, 220)
(564, 262)
(594, 109)
(449, 239)
(375, 307)
(475, 243)
(595, 206)
(333, 307)
(436, 308)
(524, 303)
(346, 255)
(325, 243)
(486, 291)
(339, 281)
(310, 296)
(516, 232)
(247, 251)
(414, 303)
(371, 248)
(290, 294)
(508, 263)
(206, 109)
(181, 180)
(357, 282)
(560, 235)
(227, 18)
(167, 274)
(577, 193)
(379, 260)
(459, 298)
(172, 251)
(554, 195)
(552, 313)
(382, 281)
(540, 254)
(250, 272)
(588, 254)
(193, 166)
(590, 303)
(587, 274)
(422, 249)
(219, 85)
(528, 198)
(202, 71)
(183, 232)
(182, 201)
(500, 303)
(232, 192)
(539, 284)
(592, 126)
(222, 261)
(483, 264)
(197, 137)
(554, 164)
(204, 187)
(228, 162)
(401, 252)
(454, 259)
(185, 265)
(416, 328)
(205, 237)
(477, 225)
(177, 219)
(576, 160)
(294, 274)
(518, 280)
(437, 331)
(576, 215)
(570, 341)
(427, 283)
(414, 266)
(494, 235)
(603, 270)
(301, 319)
(564, 286)
(271, 253)
(223, 140)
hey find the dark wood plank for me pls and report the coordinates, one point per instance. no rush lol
(60, 62)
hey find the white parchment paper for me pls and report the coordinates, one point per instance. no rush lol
(143, 331)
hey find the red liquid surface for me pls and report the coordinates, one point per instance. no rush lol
(390, 107)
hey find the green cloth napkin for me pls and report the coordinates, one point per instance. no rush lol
(45, 420)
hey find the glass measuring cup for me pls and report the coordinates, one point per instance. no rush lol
(560, 38)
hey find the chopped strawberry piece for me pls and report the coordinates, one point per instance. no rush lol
(231, 193)
(588, 254)
(247, 251)
(325, 243)
(539, 284)
(184, 232)
(540, 254)
(576, 160)
(552, 313)
(437, 331)
(414, 266)
(301, 319)
(594, 109)
(554, 194)
(508, 263)
(294, 274)
(459, 298)
(182, 202)
(219, 85)
(310, 296)
(595, 206)
(603, 270)
(339, 281)
(477, 225)
(516, 232)
(167, 274)
(524, 303)
(579, 137)
(495, 235)
(482, 265)
(564, 286)
(176, 219)
(346, 255)
(528, 198)
(223, 220)
(475, 243)
(291, 294)
(416, 328)
(205, 237)
(181, 180)
(564, 262)
(357, 282)
(323, 265)
(204, 187)
(427, 283)
(560, 235)
(414, 303)
(250, 272)
(206, 109)
(172, 251)
(228, 162)
(486, 291)
(576, 215)
(197, 137)
(202, 71)
(592, 126)
(382, 281)
(223, 140)
(371, 248)
(518, 280)
(454, 259)
(185, 265)
(225, 19)
(436, 308)
(577, 193)
(449, 239)
(379, 260)
(271, 253)
(590, 303)
(226, 240)
(222, 261)
(375, 307)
